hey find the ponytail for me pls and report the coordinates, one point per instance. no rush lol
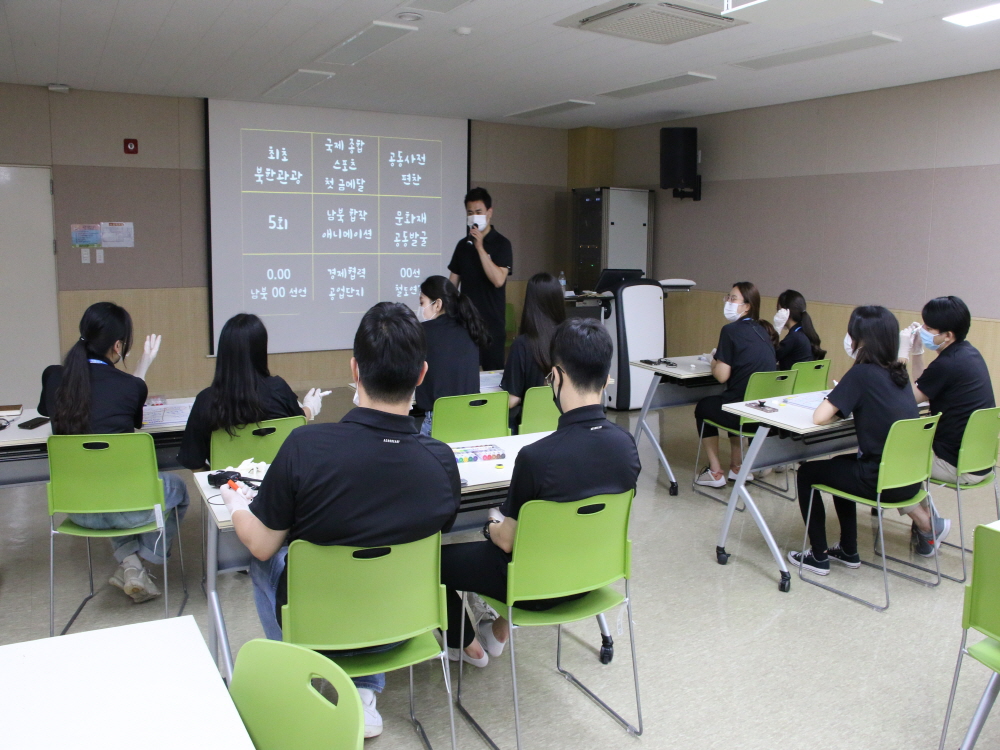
(810, 331)
(795, 303)
(457, 306)
(751, 296)
(103, 325)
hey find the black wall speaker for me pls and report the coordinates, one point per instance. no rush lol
(678, 158)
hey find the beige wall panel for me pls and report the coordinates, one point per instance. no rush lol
(535, 220)
(518, 154)
(968, 123)
(637, 156)
(148, 197)
(24, 125)
(591, 157)
(779, 141)
(89, 128)
(194, 228)
(191, 133)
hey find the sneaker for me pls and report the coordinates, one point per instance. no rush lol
(480, 609)
(489, 642)
(118, 578)
(453, 654)
(925, 542)
(734, 475)
(836, 553)
(139, 585)
(708, 479)
(765, 473)
(808, 561)
(373, 719)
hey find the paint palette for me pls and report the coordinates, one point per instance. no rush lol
(469, 453)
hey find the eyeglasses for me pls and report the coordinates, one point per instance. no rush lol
(732, 298)
(550, 378)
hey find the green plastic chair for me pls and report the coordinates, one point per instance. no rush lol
(259, 442)
(811, 376)
(562, 549)
(539, 412)
(104, 474)
(472, 417)
(978, 452)
(906, 460)
(762, 385)
(272, 689)
(348, 598)
(981, 612)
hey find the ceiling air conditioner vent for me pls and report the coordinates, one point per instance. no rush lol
(659, 23)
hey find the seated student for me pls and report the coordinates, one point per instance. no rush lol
(956, 383)
(89, 395)
(369, 480)
(455, 334)
(586, 456)
(801, 343)
(243, 391)
(528, 360)
(746, 345)
(876, 392)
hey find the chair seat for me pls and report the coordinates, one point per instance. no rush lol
(591, 605)
(872, 503)
(987, 652)
(414, 651)
(987, 479)
(73, 529)
(750, 428)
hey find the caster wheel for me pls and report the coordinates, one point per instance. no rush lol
(721, 556)
(785, 584)
(674, 489)
(607, 649)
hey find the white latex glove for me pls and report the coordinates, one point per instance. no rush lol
(150, 349)
(237, 500)
(917, 345)
(313, 401)
(780, 318)
(906, 340)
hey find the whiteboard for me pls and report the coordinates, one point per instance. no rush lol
(29, 319)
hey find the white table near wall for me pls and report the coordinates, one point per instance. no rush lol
(76, 691)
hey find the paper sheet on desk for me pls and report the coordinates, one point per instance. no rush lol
(490, 378)
(810, 401)
(170, 414)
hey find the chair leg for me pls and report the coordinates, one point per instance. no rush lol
(954, 688)
(413, 716)
(458, 691)
(180, 553)
(88, 597)
(447, 686)
(697, 461)
(513, 677)
(907, 563)
(162, 541)
(52, 582)
(982, 712)
(961, 537)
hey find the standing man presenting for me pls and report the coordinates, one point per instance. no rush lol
(480, 264)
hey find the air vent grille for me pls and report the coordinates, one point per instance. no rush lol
(660, 23)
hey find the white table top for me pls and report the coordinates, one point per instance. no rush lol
(789, 417)
(71, 691)
(687, 367)
(13, 435)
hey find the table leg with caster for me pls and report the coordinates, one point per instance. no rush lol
(607, 642)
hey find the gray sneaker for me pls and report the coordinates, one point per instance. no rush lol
(925, 546)
(139, 585)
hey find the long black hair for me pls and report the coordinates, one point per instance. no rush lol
(457, 306)
(795, 303)
(240, 369)
(102, 326)
(752, 297)
(544, 310)
(874, 331)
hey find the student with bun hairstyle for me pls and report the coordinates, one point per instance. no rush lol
(801, 343)
(746, 346)
(455, 335)
(89, 395)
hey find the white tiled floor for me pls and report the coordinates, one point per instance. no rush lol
(725, 659)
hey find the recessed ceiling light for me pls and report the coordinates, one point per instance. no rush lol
(552, 109)
(463, 31)
(977, 16)
(365, 42)
(409, 16)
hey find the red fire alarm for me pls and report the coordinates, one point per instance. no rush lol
(131, 146)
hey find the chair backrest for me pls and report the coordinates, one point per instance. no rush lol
(980, 441)
(470, 417)
(982, 595)
(272, 689)
(811, 376)
(257, 441)
(539, 412)
(907, 456)
(354, 597)
(764, 385)
(568, 548)
(103, 473)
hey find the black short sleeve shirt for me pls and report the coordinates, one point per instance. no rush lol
(586, 456)
(488, 299)
(867, 392)
(957, 383)
(452, 362)
(276, 397)
(795, 347)
(116, 397)
(521, 371)
(745, 346)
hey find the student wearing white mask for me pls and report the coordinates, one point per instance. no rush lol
(746, 345)
(455, 332)
(479, 267)
(801, 343)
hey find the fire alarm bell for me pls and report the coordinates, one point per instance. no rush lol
(131, 146)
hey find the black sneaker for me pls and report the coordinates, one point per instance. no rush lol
(808, 561)
(851, 561)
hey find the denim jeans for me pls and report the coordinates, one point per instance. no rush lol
(265, 576)
(425, 426)
(175, 498)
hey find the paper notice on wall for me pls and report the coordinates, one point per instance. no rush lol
(85, 235)
(85, 255)
(117, 234)
(100, 254)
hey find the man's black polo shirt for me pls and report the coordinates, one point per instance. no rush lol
(489, 300)
(586, 456)
(369, 480)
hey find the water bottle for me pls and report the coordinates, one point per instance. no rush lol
(562, 282)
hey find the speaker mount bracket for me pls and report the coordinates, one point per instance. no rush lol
(694, 193)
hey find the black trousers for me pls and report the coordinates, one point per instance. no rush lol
(851, 475)
(710, 407)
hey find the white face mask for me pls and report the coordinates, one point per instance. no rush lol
(732, 311)
(849, 346)
(421, 315)
(357, 401)
(476, 220)
(780, 318)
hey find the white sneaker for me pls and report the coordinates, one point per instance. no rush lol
(453, 654)
(480, 609)
(139, 585)
(707, 479)
(373, 719)
(733, 475)
(489, 642)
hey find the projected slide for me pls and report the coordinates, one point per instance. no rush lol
(333, 212)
